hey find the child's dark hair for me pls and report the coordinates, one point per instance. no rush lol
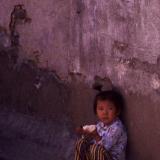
(113, 96)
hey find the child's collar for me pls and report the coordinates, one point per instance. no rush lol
(105, 125)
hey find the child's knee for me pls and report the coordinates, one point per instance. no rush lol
(94, 149)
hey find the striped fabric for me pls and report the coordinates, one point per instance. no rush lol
(87, 151)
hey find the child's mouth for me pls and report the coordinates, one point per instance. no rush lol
(105, 119)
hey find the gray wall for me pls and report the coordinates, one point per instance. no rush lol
(80, 40)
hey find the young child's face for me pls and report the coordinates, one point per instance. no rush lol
(106, 111)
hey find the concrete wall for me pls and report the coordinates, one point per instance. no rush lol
(116, 41)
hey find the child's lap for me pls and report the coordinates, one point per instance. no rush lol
(92, 149)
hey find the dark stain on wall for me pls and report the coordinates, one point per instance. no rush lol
(18, 16)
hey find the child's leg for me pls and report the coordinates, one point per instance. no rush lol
(98, 152)
(82, 148)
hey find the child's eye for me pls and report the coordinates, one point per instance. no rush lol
(100, 108)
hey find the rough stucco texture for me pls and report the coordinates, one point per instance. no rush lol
(82, 39)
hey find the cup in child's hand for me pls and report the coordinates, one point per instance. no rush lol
(89, 128)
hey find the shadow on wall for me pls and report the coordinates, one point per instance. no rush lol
(34, 118)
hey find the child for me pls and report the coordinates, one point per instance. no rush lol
(108, 140)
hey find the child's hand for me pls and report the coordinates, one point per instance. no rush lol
(87, 133)
(94, 134)
(79, 130)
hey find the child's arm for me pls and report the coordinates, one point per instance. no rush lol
(81, 131)
(110, 139)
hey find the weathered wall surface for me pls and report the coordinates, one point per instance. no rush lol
(81, 40)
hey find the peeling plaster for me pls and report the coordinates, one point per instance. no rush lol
(155, 82)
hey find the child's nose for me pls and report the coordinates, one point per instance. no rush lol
(105, 112)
